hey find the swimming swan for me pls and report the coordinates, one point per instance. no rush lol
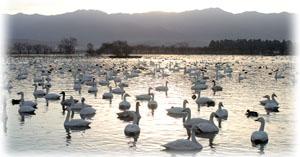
(184, 144)
(75, 122)
(260, 136)
(132, 130)
(178, 111)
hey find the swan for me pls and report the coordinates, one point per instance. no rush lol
(93, 89)
(38, 93)
(26, 103)
(78, 106)
(51, 96)
(124, 105)
(66, 102)
(77, 86)
(86, 111)
(251, 113)
(91, 83)
(162, 88)
(260, 136)
(278, 76)
(26, 109)
(132, 130)
(152, 104)
(104, 82)
(108, 95)
(241, 77)
(178, 111)
(215, 87)
(144, 96)
(204, 101)
(263, 102)
(184, 144)
(75, 122)
(119, 90)
(208, 126)
(189, 122)
(126, 115)
(271, 106)
(221, 113)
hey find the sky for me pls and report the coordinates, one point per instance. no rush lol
(52, 7)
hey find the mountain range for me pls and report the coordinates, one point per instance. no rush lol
(195, 27)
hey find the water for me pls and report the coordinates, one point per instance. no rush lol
(45, 132)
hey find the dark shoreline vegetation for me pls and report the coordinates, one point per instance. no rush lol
(121, 49)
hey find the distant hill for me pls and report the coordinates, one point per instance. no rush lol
(196, 27)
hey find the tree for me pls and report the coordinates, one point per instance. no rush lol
(118, 48)
(67, 45)
(90, 49)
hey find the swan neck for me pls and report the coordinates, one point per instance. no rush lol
(135, 119)
(211, 118)
(68, 116)
(189, 114)
(262, 126)
(194, 137)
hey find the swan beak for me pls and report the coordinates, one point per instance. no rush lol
(19, 93)
(256, 120)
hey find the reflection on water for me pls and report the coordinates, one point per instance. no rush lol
(45, 130)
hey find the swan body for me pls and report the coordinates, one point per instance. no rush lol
(208, 126)
(26, 109)
(38, 93)
(79, 105)
(87, 111)
(221, 113)
(184, 144)
(51, 96)
(144, 96)
(124, 105)
(108, 95)
(26, 103)
(128, 115)
(204, 101)
(75, 122)
(133, 129)
(152, 104)
(178, 111)
(260, 136)
(162, 88)
(118, 90)
(215, 87)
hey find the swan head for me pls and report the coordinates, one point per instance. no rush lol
(35, 85)
(221, 104)
(20, 93)
(274, 95)
(138, 104)
(194, 97)
(260, 119)
(82, 99)
(62, 92)
(248, 110)
(126, 95)
(266, 96)
(150, 88)
(185, 101)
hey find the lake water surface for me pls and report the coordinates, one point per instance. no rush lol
(44, 132)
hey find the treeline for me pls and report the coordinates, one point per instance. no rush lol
(122, 48)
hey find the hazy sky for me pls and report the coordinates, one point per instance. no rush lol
(51, 7)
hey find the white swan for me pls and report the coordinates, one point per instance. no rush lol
(104, 82)
(144, 96)
(108, 95)
(152, 104)
(278, 76)
(215, 87)
(189, 122)
(132, 130)
(38, 93)
(51, 96)
(221, 113)
(26, 109)
(124, 105)
(184, 144)
(93, 89)
(204, 101)
(79, 105)
(126, 115)
(67, 102)
(241, 77)
(208, 126)
(86, 111)
(178, 111)
(75, 122)
(260, 136)
(26, 103)
(162, 88)
(119, 90)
